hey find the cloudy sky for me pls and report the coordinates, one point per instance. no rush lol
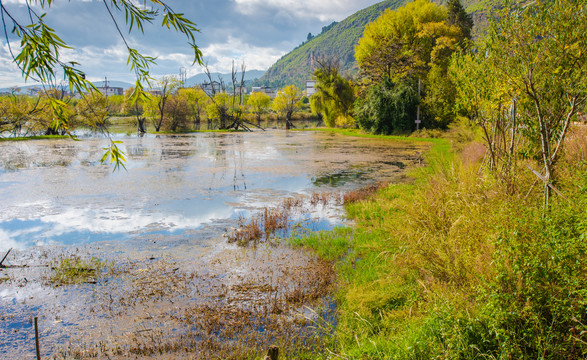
(257, 32)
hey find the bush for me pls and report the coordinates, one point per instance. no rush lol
(389, 108)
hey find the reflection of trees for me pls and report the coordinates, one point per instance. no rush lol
(25, 156)
(225, 162)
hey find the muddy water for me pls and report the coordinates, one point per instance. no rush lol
(175, 288)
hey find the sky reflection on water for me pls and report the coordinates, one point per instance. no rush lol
(56, 192)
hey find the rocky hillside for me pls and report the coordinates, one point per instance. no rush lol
(338, 41)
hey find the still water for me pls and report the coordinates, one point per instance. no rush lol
(174, 280)
(186, 188)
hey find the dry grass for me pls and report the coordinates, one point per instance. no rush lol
(279, 220)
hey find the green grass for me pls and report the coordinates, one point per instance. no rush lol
(451, 266)
(74, 269)
(40, 137)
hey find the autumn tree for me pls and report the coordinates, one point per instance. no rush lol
(533, 81)
(405, 42)
(196, 100)
(136, 108)
(158, 99)
(177, 111)
(259, 103)
(219, 109)
(287, 102)
(410, 43)
(18, 114)
(334, 95)
(39, 55)
(92, 110)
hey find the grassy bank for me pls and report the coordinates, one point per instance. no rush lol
(39, 137)
(452, 266)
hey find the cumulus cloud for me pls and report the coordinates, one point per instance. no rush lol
(255, 31)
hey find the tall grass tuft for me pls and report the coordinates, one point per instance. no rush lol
(456, 265)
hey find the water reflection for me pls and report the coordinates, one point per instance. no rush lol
(56, 191)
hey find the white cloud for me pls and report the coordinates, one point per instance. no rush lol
(257, 32)
(324, 10)
(234, 49)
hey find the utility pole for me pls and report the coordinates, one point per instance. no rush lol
(106, 86)
(182, 76)
(418, 121)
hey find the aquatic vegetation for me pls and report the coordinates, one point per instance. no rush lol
(75, 269)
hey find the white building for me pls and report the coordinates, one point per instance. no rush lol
(264, 89)
(111, 90)
(212, 88)
(310, 87)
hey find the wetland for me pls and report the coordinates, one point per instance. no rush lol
(168, 272)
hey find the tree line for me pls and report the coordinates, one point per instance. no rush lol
(522, 84)
(170, 107)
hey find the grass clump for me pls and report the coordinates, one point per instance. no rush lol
(74, 269)
(456, 265)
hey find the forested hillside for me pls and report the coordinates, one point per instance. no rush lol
(338, 42)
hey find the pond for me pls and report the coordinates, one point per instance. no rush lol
(171, 209)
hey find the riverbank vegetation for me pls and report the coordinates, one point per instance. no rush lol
(483, 254)
(455, 265)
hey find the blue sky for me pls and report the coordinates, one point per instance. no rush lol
(256, 32)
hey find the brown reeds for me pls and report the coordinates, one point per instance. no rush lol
(269, 221)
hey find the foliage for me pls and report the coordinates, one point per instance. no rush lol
(532, 65)
(336, 42)
(155, 107)
(135, 108)
(459, 17)
(219, 109)
(388, 108)
(413, 42)
(74, 269)
(17, 113)
(259, 103)
(92, 110)
(417, 34)
(40, 47)
(334, 95)
(178, 111)
(287, 102)
(197, 100)
(450, 267)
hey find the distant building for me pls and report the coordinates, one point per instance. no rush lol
(310, 87)
(264, 89)
(155, 92)
(111, 90)
(212, 88)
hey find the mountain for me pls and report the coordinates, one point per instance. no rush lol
(338, 40)
(114, 83)
(27, 88)
(227, 78)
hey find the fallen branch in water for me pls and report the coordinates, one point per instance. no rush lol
(4, 258)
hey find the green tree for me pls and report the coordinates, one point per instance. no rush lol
(92, 110)
(459, 17)
(135, 108)
(39, 56)
(166, 85)
(287, 102)
(219, 109)
(388, 108)
(334, 95)
(405, 42)
(259, 103)
(537, 56)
